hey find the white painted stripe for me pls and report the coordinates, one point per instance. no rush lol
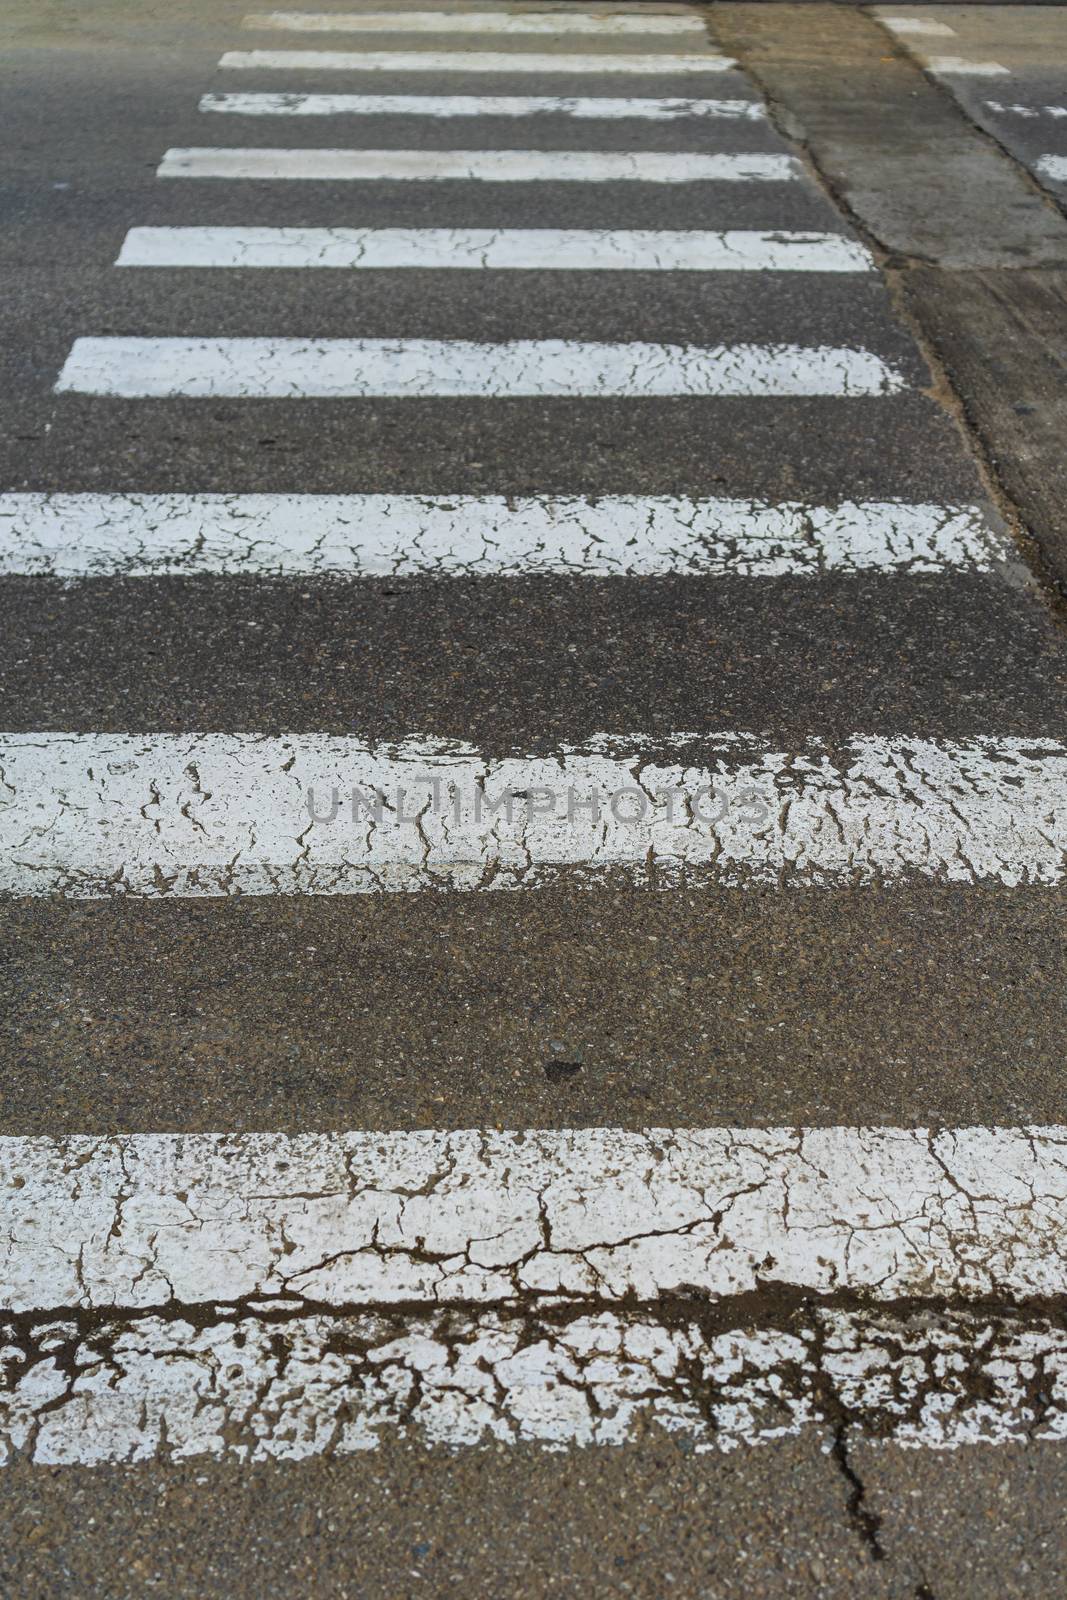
(486, 166)
(100, 535)
(463, 105)
(1026, 111)
(918, 25)
(405, 368)
(498, 61)
(959, 67)
(1054, 167)
(272, 1386)
(552, 22)
(478, 1216)
(192, 815)
(472, 1287)
(519, 249)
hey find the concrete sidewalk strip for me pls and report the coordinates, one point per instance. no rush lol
(457, 105)
(889, 143)
(95, 816)
(501, 62)
(283, 1296)
(288, 369)
(603, 23)
(999, 336)
(509, 249)
(275, 535)
(478, 166)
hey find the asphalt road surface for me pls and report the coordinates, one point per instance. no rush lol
(533, 800)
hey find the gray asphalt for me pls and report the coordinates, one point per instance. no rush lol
(920, 1005)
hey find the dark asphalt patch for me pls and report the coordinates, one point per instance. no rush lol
(903, 1006)
(522, 665)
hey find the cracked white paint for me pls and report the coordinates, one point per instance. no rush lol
(457, 105)
(509, 249)
(286, 369)
(313, 1385)
(605, 23)
(498, 61)
(399, 536)
(93, 815)
(1054, 167)
(273, 1296)
(478, 166)
(148, 1221)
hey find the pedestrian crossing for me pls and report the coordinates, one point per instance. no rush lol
(398, 368)
(270, 1296)
(217, 814)
(508, 1242)
(600, 108)
(558, 23)
(1024, 114)
(494, 249)
(477, 166)
(91, 535)
(502, 62)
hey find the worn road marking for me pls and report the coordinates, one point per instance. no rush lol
(552, 22)
(521, 249)
(192, 815)
(919, 25)
(498, 61)
(1054, 167)
(1026, 111)
(289, 535)
(404, 368)
(485, 166)
(457, 105)
(959, 67)
(272, 1385)
(285, 1296)
(477, 1216)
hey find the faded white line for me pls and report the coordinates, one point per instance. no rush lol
(917, 25)
(457, 105)
(101, 535)
(463, 535)
(408, 368)
(1026, 111)
(267, 1387)
(485, 166)
(1054, 167)
(477, 1216)
(550, 22)
(498, 61)
(510, 249)
(192, 815)
(958, 66)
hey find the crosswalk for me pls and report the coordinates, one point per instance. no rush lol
(1010, 78)
(591, 1224)
(583, 318)
(216, 814)
(93, 535)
